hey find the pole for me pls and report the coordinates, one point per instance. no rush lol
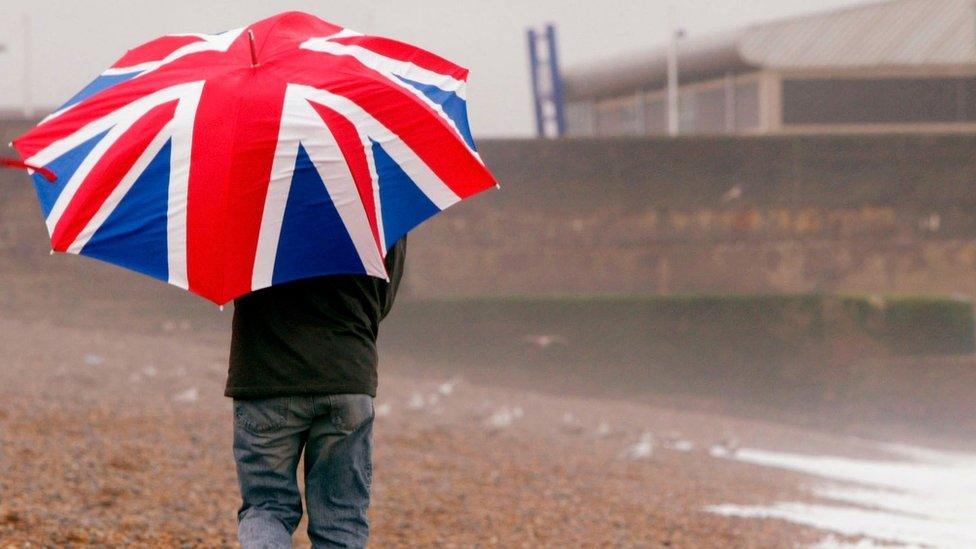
(28, 107)
(673, 122)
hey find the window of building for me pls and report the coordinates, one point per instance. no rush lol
(702, 111)
(717, 106)
(656, 116)
(879, 101)
(579, 118)
(619, 117)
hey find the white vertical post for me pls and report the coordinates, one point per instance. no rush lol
(673, 123)
(28, 105)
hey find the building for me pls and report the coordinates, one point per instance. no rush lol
(903, 65)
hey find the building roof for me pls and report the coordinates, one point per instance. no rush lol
(899, 33)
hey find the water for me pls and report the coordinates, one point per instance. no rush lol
(925, 499)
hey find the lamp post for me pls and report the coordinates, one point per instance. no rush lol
(28, 105)
(674, 34)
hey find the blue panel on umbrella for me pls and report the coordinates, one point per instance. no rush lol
(314, 240)
(403, 204)
(454, 107)
(134, 234)
(63, 167)
(97, 85)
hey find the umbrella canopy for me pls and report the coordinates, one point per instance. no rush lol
(231, 162)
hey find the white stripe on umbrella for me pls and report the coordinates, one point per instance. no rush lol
(327, 157)
(273, 214)
(416, 169)
(179, 183)
(374, 181)
(384, 64)
(119, 192)
(210, 42)
(119, 121)
(301, 125)
(391, 68)
(177, 129)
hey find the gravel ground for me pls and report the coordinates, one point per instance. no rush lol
(117, 438)
(114, 437)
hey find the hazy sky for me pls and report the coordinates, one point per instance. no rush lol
(74, 40)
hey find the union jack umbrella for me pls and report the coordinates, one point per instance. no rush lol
(231, 162)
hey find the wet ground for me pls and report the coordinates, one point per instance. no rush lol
(917, 497)
(111, 436)
(114, 432)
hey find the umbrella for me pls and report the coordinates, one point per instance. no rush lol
(231, 162)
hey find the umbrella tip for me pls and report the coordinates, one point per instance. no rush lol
(221, 307)
(254, 51)
(13, 163)
(51, 252)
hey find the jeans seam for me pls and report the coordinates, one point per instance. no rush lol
(335, 413)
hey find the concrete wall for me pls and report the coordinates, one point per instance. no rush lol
(891, 214)
(886, 214)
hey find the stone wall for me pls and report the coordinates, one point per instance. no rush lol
(830, 214)
(848, 214)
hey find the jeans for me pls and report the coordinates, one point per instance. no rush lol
(336, 432)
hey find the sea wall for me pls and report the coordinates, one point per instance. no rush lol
(829, 214)
(797, 214)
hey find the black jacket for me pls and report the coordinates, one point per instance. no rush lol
(312, 336)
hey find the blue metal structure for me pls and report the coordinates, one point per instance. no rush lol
(547, 83)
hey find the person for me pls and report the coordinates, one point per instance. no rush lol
(303, 375)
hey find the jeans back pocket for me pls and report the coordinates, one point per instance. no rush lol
(261, 415)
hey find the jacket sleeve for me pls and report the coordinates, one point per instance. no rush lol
(394, 267)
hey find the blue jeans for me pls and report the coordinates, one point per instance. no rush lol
(336, 432)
